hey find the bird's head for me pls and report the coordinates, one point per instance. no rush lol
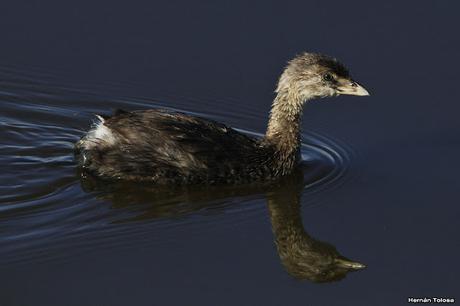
(312, 75)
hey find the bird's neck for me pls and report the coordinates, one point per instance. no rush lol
(283, 130)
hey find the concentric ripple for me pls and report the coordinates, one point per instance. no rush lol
(44, 206)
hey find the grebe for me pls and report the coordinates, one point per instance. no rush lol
(163, 147)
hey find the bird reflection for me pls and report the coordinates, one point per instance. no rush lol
(303, 256)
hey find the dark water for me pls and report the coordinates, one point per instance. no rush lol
(381, 184)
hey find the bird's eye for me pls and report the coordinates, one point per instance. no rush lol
(328, 77)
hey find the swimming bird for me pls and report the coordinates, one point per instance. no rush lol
(163, 147)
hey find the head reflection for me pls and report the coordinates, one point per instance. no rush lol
(303, 256)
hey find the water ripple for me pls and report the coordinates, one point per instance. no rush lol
(44, 205)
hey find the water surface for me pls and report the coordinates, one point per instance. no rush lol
(379, 186)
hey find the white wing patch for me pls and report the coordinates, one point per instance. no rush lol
(99, 135)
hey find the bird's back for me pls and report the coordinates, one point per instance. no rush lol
(169, 147)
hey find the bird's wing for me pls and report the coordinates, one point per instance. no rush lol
(180, 143)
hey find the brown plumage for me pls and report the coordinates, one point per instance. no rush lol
(164, 147)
